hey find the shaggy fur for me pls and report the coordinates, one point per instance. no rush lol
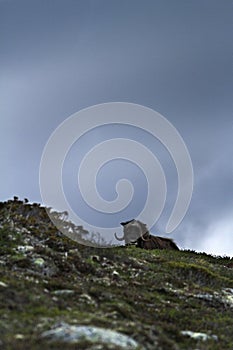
(135, 232)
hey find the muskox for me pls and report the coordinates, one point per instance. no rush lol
(136, 233)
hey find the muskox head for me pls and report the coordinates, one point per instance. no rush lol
(133, 229)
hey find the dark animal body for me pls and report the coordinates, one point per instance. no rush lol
(136, 233)
(155, 242)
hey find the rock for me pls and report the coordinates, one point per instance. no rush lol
(39, 262)
(2, 284)
(87, 298)
(74, 334)
(63, 291)
(115, 273)
(228, 296)
(25, 248)
(199, 336)
(95, 258)
(204, 296)
(19, 336)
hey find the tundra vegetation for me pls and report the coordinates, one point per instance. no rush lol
(163, 299)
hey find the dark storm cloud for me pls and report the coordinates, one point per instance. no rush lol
(173, 56)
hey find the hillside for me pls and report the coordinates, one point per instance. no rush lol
(160, 299)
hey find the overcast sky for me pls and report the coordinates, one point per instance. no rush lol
(174, 56)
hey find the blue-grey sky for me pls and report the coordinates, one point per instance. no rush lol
(58, 57)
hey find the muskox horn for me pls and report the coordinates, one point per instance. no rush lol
(126, 222)
(119, 239)
(144, 239)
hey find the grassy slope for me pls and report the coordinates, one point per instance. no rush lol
(150, 295)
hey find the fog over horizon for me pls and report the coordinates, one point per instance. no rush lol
(175, 57)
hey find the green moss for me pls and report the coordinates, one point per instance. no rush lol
(198, 274)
